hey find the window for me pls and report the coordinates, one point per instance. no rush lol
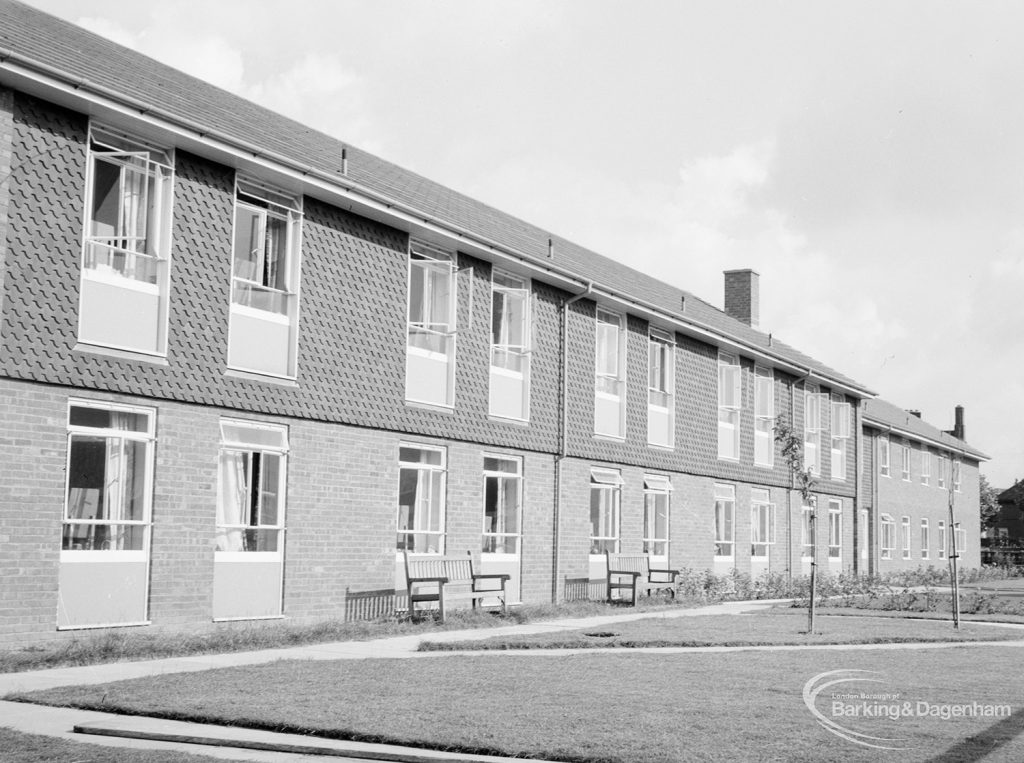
(842, 415)
(605, 498)
(904, 451)
(657, 494)
(725, 512)
(730, 401)
(807, 531)
(956, 476)
(883, 456)
(510, 347)
(942, 540)
(660, 389)
(251, 487)
(926, 465)
(265, 280)
(925, 540)
(762, 523)
(862, 536)
(430, 349)
(905, 536)
(126, 248)
(835, 529)
(610, 376)
(959, 538)
(940, 477)
(887, 539)
(421, 499)
(109, 478)
(812, 429)
(503, 497)
(764, 417)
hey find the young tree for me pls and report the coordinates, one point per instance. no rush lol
(989, 503)
(802, 482)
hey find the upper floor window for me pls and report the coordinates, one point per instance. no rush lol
(610, 385)
(421, 498)
(605, 500)
(842, 413)
(126, 250)
(764, 417)
(956, 475)
(265, 280)
(725, 525)
(883, 456)
(430, 351)
(941, 471)
(762, 523)
(660, 388)
(926, 465)
(730, 401)
(813, 425)
(657, 494)
(510, 347)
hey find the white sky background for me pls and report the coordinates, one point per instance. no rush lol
(866, 158)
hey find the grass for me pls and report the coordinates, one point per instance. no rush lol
(594, 707)
(973, 604)
(36, 748)
(778, 627)
(125, 645)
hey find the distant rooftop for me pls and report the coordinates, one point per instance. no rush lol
(881, 412)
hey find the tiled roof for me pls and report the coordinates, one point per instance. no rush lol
(1013, 494)
(97, 64)
(879, 411)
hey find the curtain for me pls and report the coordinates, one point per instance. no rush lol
(231, 500)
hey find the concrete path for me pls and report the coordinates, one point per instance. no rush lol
(244, 744)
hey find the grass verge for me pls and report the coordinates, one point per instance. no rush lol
(36, 748)
(598, 707)
(774, 628)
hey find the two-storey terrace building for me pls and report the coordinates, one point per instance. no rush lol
(244, 366)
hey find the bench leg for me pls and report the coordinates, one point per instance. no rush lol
(440, 603)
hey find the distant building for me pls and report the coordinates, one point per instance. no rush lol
(1006, 531)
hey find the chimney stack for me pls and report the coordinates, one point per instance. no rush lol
(742, 297)
(958, 423)
(915, 413)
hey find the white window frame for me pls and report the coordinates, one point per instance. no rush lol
(835, 529)
(905, 540)
(956, 476)
(610, 385)
(943, 540)
(656, 488)
(764, 417)
(813, 427)
(422, 333)
(505, 355)
(724, 523)
(925, 539)
(808, 530)
(841, 429)
(886, 536)
(606, 482)
(661, 386)
(495, 541)
(434, 471)
(905, 461)
(940, 478)
(257, 438)
(116, 260)
(959, 539)
(148, 439)
(730, 406)
(883, 455)
(762, 517)
(926, 465)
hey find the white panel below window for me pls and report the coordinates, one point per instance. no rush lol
(250, 588)
(608, 415)
(426, 377)
(659, 426)
(118, 312)
(260, 342)
(764, 448)
(508, 394)
(502, 564)
(94, 593)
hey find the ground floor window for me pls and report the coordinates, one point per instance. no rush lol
(905, 536)
(807, 531)
(421, 498)
(762, 523)
(959, 538)
(942, 540)
(887, 536)
(835, 529)
(657, 493)
(725, 513)
(605, 501)
(925, 542)
(503, 495)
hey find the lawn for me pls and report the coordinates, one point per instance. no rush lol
(618, 707)
(775, 627)
(36, 748)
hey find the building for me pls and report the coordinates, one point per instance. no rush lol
(921, 488)
(244, 366)
(1005, 535)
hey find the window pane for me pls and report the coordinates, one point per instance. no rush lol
(275, 266)
(270, 485)
(607, 349)
(248, 246)
(232, 499)
(439, 295)
(102, 418)
(106, 537)
(417, 293)
(418, 456)
(106, 198)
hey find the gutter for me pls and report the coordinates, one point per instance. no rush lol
(963, 452)
(77, 89)
(562, 441)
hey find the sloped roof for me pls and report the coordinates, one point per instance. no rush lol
(1013, 494)
(95, 64)
(885, 414)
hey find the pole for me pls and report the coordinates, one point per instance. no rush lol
(814, 565)
(953, 555)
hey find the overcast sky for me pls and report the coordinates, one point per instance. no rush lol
(866, 158)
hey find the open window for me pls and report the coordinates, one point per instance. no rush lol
(764, 417)
(510, 347)
(605, 500)
(730, 401)
(660, 389)
(835, 531)
(421, 499)
(657, 499)
(887, 535)
(725, 524)
(610, 376)
(762, 523)
(126, 249)
(430, 349)
(814, 405)
(842, 416)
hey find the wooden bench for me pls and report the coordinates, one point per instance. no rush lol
(446, 579)
(633, 571)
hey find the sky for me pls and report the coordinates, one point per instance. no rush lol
(867, 159)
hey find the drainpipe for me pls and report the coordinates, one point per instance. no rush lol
(562, 440)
